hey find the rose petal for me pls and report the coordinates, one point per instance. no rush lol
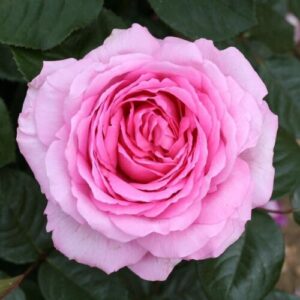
(233, 63)
(154, 268)
(260, 159)
(87, 246)
(135, 39)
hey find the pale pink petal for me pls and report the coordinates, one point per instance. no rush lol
(260, 159)
(48, 68)
(80, 242)
(135, 39)
(30, 146)
(172, 49)
(217, 244)
(97, 219)
(180, 243)
(55, 99)
(219, 205)
(154, 268)
(60, 181)
(232, 63)
(141, 226)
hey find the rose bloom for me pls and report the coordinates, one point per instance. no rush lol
(149, 151)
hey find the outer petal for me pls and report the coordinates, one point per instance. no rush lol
(32, 149)
(136, 39)
(260, 159)
(219, 206)
(154, 268)
(59, 180)
(50, 67)
(222, 240)
(233, 63)
(233, 229)
(87, 246)
(52, 95)
(172, 49)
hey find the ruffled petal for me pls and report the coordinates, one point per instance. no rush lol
(136, 39)
(260, 159)
(232, 63)
(80, 242)
(154, 268)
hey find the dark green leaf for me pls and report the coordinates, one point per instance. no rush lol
(63, 279)
(41, 24)
(296, 204)
(7, 138)
(282, 76)
(272, 29)
(29, 61)
(294, 6)
(6, 284)
(287, 164)
(137, 287)
(77, 45)
(214, 19)
(22, 224)
(136, 11)
(250, 267)
(183, 284)
(31, 290)
(16, 294)
(278, 295)
(87, 39)
(281, 6)
(8, 68)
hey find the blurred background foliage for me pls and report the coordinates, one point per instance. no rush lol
(35, 30)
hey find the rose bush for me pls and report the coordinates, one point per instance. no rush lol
(149, 151)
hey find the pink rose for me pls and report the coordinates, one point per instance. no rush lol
(149, 151)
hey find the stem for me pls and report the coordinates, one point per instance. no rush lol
(23, 276)
(274, 211)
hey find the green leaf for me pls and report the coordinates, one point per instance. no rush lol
(272, 29)
(282, 77)
(60, 278)
(287, 164)
(7, 137)
(41, 24)
(6, 284)
(136, 11)
(29, 61)
(8, 68)
(76, 45)
(295, 201)
(281, 6)
(137, 287)
(250, 267)
(22, 224)
(214, 19)
(294, 6)
(278, 295)
(90, 37)
(31, 290)
(183, 284)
